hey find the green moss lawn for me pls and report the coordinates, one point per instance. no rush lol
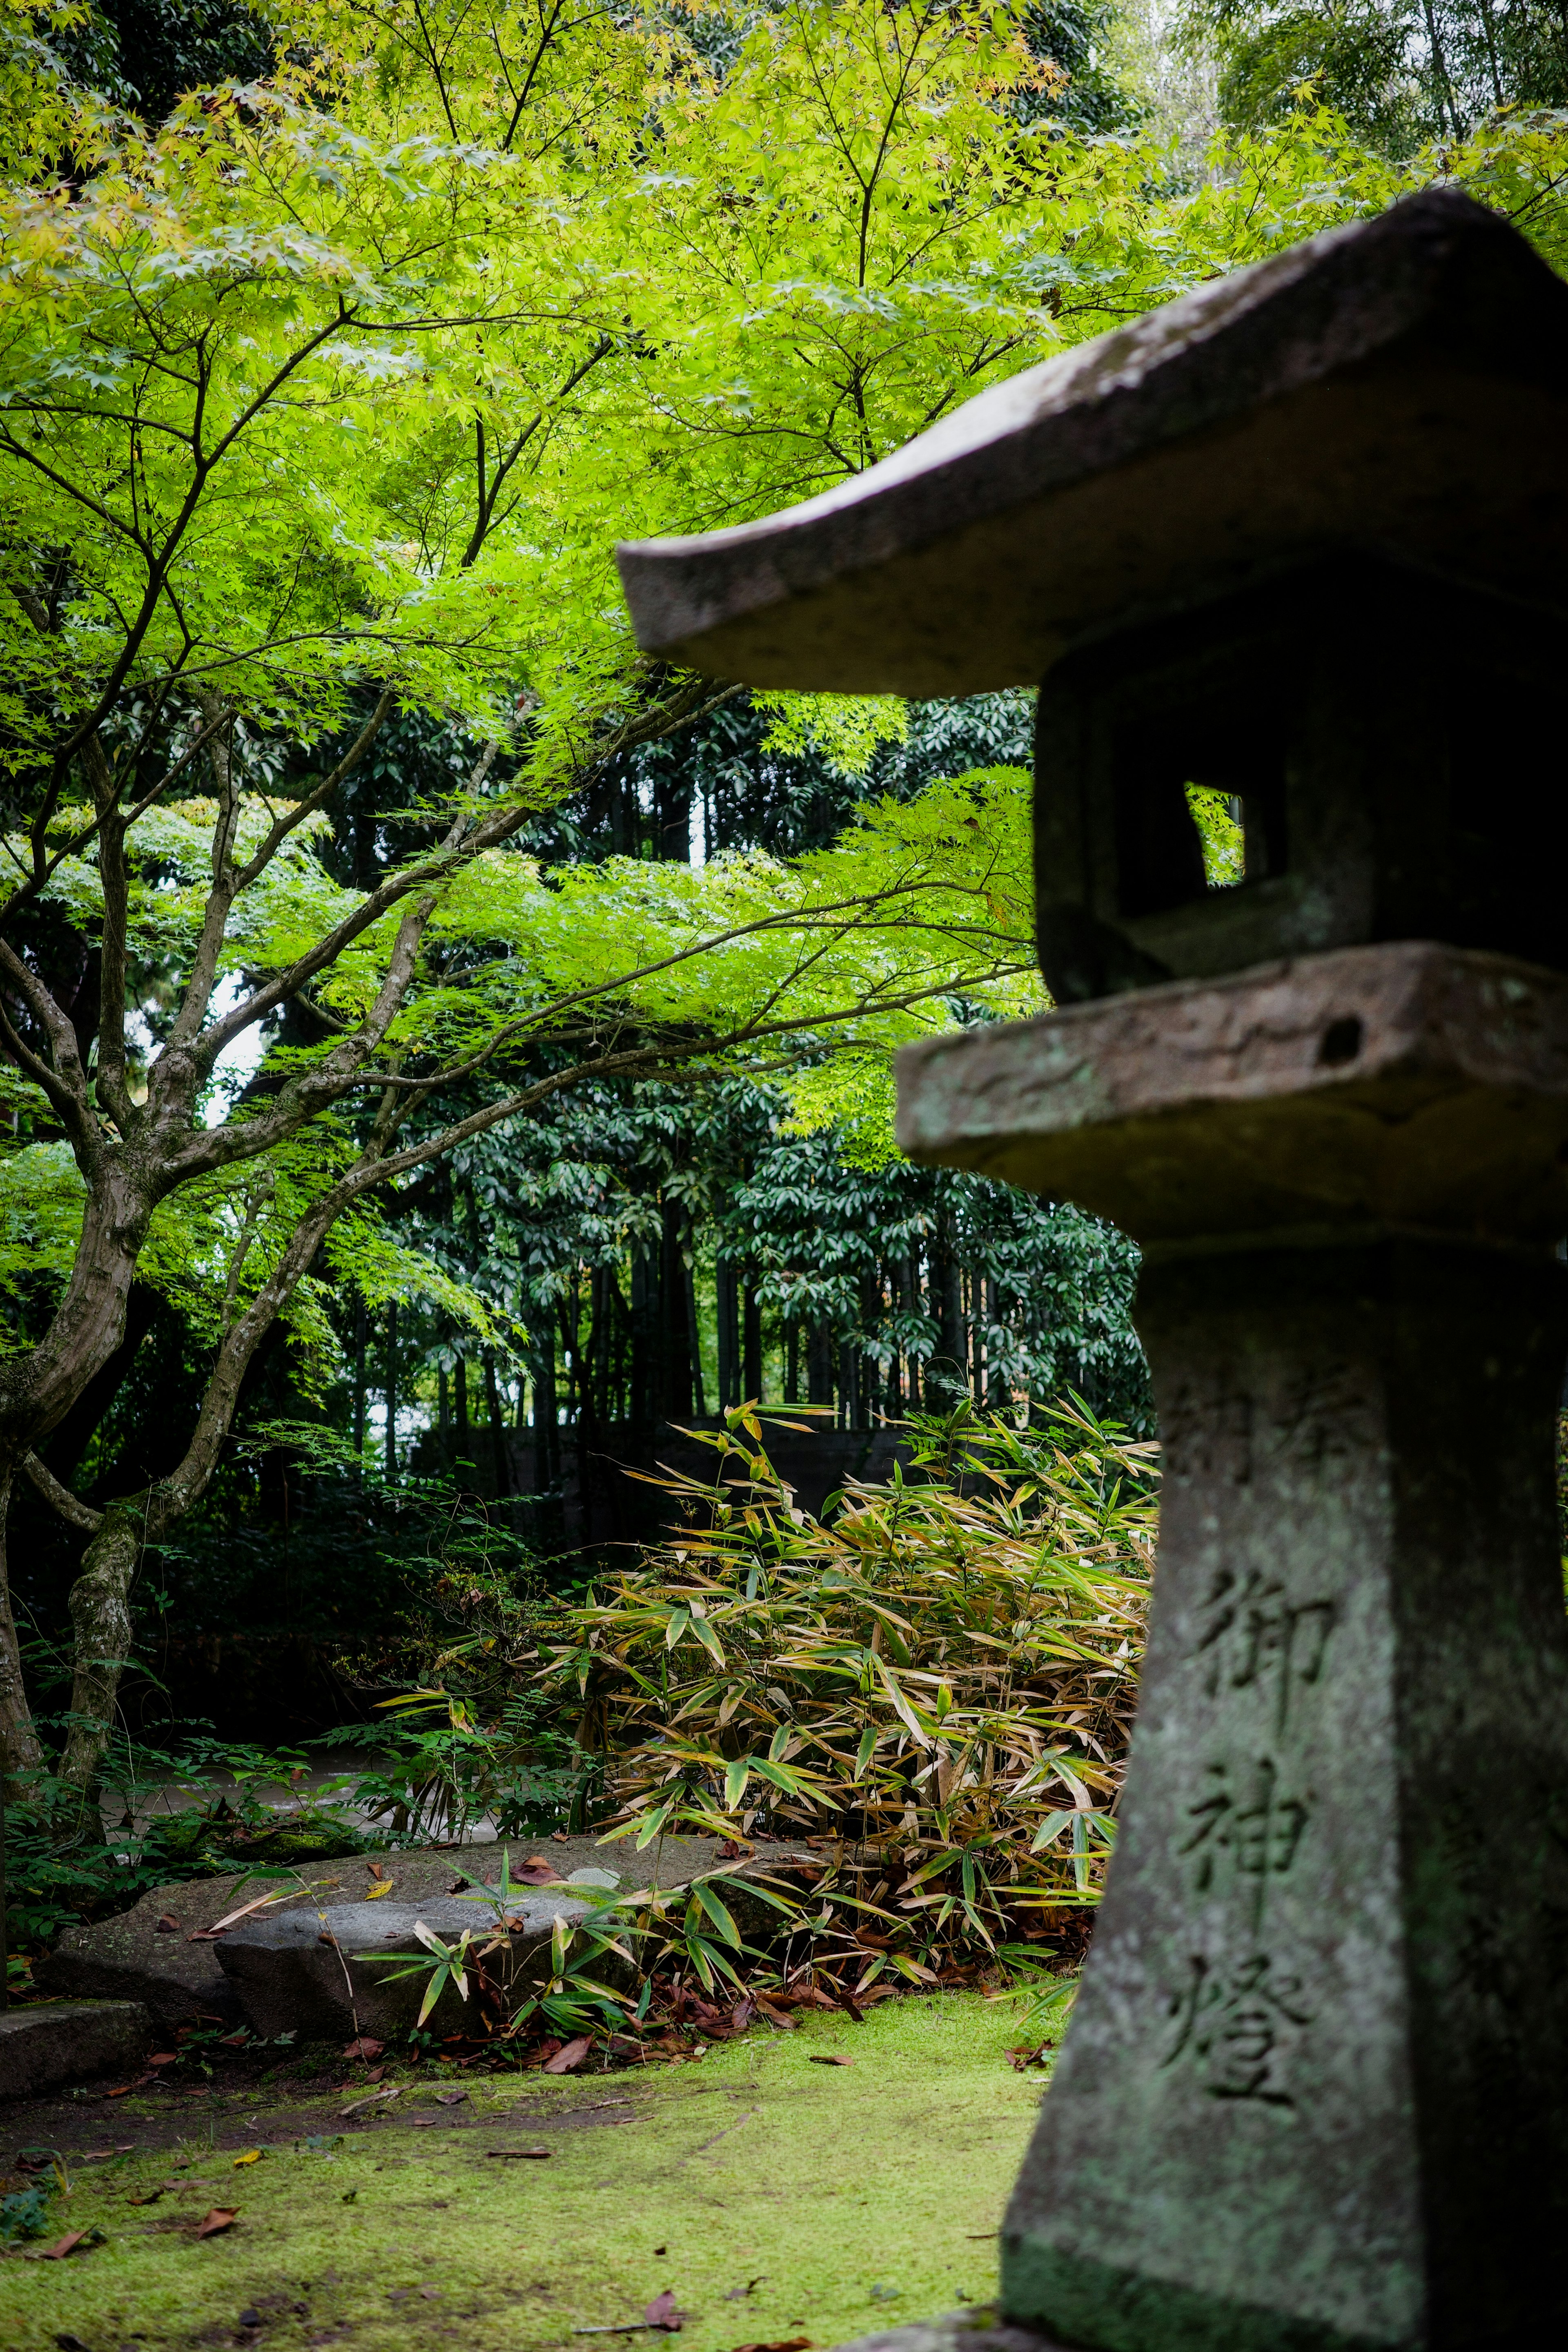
(776, 2197)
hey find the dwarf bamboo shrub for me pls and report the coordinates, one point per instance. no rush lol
(937, 1679)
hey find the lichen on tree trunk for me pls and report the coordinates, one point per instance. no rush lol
(19, 1753)
(100, 1624)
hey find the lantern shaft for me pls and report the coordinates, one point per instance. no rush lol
(1315, 2092)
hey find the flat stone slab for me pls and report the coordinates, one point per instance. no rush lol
(57, 2041)
(314, 1972)
(131, 1958)
(1405, 1084)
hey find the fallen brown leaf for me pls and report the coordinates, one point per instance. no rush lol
(510, 2153)
(572, 2056)
(537, 1871)
(365, 2046)
(451, 2099)
(784, 2344)
(661, 2313)
(815, 2059)
(220, 2217)
(167, 1926)
(62, 2247)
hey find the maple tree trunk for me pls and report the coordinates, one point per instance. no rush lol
(100, 1621)
(19, 1752)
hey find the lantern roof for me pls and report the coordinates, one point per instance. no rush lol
(1398, 387)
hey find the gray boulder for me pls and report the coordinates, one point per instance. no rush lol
(178, 1980)
(318, 1973)
(56, 2042)
(131, 1958)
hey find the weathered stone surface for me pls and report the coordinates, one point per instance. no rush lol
(1402, 1084)
(313, 1972)
(1315, 2092)
(1402, 384)
(130, 1958)
(70, 2042)
(1343, 708)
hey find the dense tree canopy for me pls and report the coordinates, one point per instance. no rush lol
(364, 889)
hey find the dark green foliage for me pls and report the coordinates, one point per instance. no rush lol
(1482, 56)
(1399, 71)
(975, 1288)
(720, 781)
(649, 1252)
(146, 54)
(1358, 59)
(1073, 35)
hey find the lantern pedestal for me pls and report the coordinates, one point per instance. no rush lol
(1315, 2092)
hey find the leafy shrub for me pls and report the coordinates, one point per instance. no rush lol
(936, 1679)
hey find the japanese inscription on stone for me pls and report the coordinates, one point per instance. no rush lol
(1237, 2020)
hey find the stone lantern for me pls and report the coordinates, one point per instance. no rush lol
(1302, 537)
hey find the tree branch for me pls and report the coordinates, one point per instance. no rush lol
(69, 1507)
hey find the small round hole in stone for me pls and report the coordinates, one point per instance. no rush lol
(1341, 1042)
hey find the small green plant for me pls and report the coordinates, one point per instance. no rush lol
(569, 2001)
(25, 2212)
(1050, 1995)
(600, 1974)
(438, 1768)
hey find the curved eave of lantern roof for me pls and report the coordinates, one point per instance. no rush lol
(1399, 386)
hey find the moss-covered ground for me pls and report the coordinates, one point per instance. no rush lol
(775, 2196)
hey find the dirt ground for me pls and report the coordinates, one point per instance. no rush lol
(775, 2196)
